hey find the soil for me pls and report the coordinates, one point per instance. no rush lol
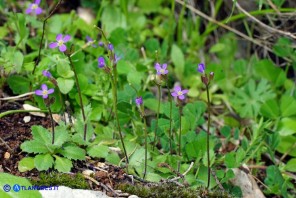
(14, 131)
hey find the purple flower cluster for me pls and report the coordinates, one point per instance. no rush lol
(34, 7)
(60, 42)
(161, 69)
(44, 91)
(139, 101)
(179, 93)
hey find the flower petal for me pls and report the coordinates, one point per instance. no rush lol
(185, 91)
(157, 66)
(63, 48)
(39, 92)
(45, 96)
(28, 10)
(166, 72)
(181, 97)
(37, 2)
(164, 66)
(38, 11)
(66, 38)
(174, 94)
(53, 45)
(50, 91)
(59, 37)
(177, 88)
(44, 87)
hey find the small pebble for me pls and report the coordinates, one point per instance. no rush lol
(27, 119)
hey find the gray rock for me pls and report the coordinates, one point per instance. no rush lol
(66, 192)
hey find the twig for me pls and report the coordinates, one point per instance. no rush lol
(182, 175)
(268, 28)
(18, 97)
(102, 185)
(201, 14)
(6, 144)
(273, 7)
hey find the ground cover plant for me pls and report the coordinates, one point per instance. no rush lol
(189, 97)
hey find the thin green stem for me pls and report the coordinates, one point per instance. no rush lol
(114, 92)
(208, 136)
(52, 122)
(79, 95)
(157, 117)
(171, 110)
(180, 134)
(146, 145)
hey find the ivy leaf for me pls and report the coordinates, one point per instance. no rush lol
(248, 99)
(43, 162)
(62, 164)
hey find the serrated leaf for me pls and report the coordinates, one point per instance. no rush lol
(26, 164)
(62, 164)
(73, 152)
(34, 146)
(178, 59)
(43, 162)
(98, 151)
(41, 134)
(61, 135)
(270, 109)
(288, 106)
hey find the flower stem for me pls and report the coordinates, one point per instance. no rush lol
(146, 145)
(114, 92)
(208, 136)
(180, 133)
(79, 94)
(157, 117)
(52, 122)
(171, 109)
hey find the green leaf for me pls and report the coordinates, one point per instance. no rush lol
(64, 69)
(43, 162)
(270, 109)
(287, 143)
(288, 106)
(149, 6)
(11, 180)
(73, 152)
(34, 146)
(178, 59)
(26, 164)
(112, 18)
(287, 126)
(205, 158)
(283, 47)
(61, 135)
(65, 85)
(62, 164)
(98, 151)
(193, 113)
(78, 137)
(291, 165)
(230, 160)
(217, 48)
(18, 84)
(275, 181)
(41, 134)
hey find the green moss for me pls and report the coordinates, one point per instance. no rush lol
(61, 179)
(169, 190)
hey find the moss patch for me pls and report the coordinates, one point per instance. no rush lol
(169, 190)
(76, 181)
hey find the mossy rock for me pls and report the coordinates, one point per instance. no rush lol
(75, 181)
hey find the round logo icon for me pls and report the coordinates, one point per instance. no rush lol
(6, 188)
(16, 188)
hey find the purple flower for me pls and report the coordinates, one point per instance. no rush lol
(34, 7)
(101, 44)
(161, 70)
(60, 42)
(110, 47)
(44, 91)
(117, 58)
(139, 101)
(201, 68)
(88, 39)
(101, 61)
(46, 73)
(178, 93)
